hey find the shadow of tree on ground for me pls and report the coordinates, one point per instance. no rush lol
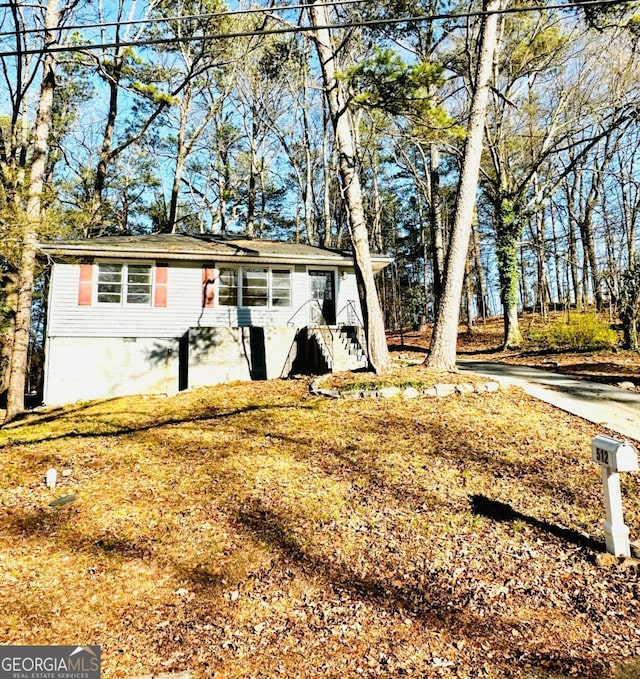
(503, 512)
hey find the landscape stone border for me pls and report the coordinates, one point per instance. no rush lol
(437, 391)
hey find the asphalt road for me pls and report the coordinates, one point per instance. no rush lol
(611, 407)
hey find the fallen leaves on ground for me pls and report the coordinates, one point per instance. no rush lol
(483, 342)
(254, 530)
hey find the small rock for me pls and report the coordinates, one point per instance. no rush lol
(626, 385)
(411, 392)
(465, 388)
(330, 393)
(389, 392)
(491, 387)
(67, 472)
(64, 500)
(445, 389)
(430, 392)
(51, 478)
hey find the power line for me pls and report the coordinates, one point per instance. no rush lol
(304, 29)
(186, 17)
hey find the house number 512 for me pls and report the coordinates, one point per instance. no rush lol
(602, 456)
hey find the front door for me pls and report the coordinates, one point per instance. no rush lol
(323, 294)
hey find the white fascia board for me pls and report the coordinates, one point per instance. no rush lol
(378, 262)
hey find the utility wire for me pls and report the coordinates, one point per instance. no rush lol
(302, 29)
(330, 3)
(189, 17)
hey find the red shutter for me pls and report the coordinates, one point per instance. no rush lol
(209, 287)
(160, 291)
(85, 288)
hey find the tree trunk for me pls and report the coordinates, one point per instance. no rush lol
(223, 174)
(573, 264)
(630, 334)
(437, 228)
(468, 297)
(377, 349)
(442, 354)
(542, 282)
(9, 283)
(560, 296)
(508, 230)
(508, 267)
(181, 157)
(522, 279)
(376, 226)
(307, 194)
(253, 178)
(586, 299)
(100, 179)
(482, 299)
(589, 248)
(32, 218)
(326, 176)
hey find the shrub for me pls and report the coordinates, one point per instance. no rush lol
(584, 331)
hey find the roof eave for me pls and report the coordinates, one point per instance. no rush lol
(52, 250)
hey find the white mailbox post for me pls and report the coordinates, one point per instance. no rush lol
(613, 457)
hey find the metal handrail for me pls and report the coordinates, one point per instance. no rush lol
(351, 313)
(309, 302)
(317, 329)
(349, 308)
(324, 333)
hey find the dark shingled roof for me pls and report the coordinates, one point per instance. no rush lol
(205, 247)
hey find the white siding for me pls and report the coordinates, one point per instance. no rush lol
(183, 311)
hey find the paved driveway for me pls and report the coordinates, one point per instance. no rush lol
(611, 407)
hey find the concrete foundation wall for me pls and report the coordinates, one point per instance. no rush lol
(225, 354)
(83, 368)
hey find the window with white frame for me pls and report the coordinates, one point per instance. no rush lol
(124, 283)
(228, 287)
(255, 287)
(281, 288)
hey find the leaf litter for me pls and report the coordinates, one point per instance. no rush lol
(254, 530)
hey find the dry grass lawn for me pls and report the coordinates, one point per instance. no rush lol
(254, 530)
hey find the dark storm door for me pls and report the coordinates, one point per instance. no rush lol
(323, 294)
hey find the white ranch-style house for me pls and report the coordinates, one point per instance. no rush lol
(161, 313)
